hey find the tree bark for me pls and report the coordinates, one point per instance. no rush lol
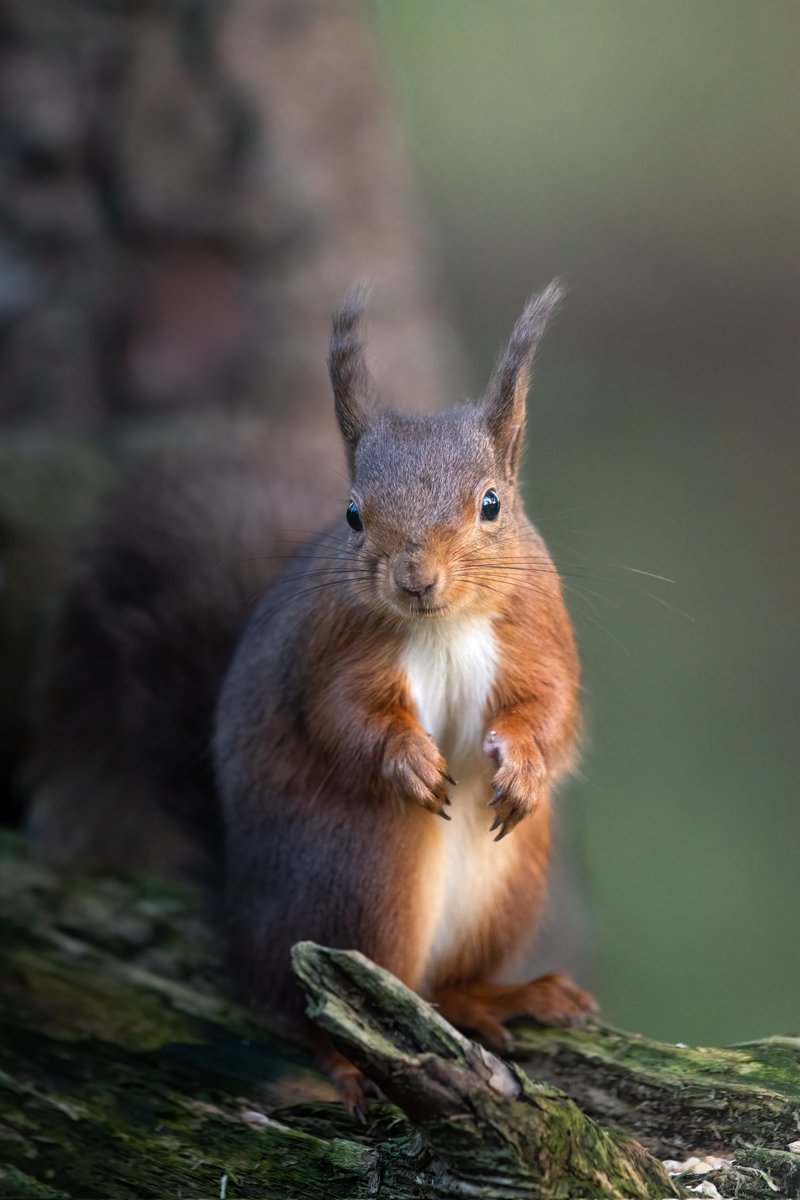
(490, 1130)
(127, 1071)
(186, 192)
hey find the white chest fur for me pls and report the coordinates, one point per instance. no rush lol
(451, 667)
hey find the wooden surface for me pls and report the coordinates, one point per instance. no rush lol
(126, 1070)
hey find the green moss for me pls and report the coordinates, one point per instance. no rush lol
(677, 1097)
(772, 1065)
(768, 1170)
(17, 1185)
(110, 1123)
(50, 988)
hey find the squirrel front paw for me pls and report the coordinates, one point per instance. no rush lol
(413, 765)
(521, 771)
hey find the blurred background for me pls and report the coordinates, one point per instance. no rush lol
(187, 188)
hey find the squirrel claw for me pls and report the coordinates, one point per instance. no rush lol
(498, 795)
(444, 815)
(447, 800)
(505, 822)
(449, 779)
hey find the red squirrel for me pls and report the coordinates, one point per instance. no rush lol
(388, 726)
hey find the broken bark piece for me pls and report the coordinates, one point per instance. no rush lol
(489, 1126)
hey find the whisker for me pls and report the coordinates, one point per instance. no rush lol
(587, 574)
(617, 566)
(578, 592)
(565, 511)
(298, 595)
(349, 570)
(251, 558)
(482, 582)
(608, 633)
(639, 571)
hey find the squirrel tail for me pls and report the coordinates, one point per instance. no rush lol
(121, 769)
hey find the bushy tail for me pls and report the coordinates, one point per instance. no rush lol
(123, 707)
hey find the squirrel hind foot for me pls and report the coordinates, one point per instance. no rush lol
(352, 1086)
(484, 1008)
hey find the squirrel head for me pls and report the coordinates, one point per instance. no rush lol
(434, 511)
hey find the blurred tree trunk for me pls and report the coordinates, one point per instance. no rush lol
(187, 187)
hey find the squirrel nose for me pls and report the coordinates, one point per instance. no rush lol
(415, 582)
(419, 589)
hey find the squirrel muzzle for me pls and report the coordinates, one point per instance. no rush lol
(417, 580)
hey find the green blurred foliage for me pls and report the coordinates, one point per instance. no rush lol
(649, 154)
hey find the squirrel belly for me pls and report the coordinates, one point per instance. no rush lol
(451, 666)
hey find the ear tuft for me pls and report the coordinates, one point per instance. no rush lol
(353, 388)
(504, 402)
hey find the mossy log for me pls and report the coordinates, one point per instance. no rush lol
(489, 1128)
(126, 1071)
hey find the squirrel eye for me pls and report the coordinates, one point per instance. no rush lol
(354, 517)
(490, 505)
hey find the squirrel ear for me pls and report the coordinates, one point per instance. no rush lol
(504, 402)
(353, 388)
